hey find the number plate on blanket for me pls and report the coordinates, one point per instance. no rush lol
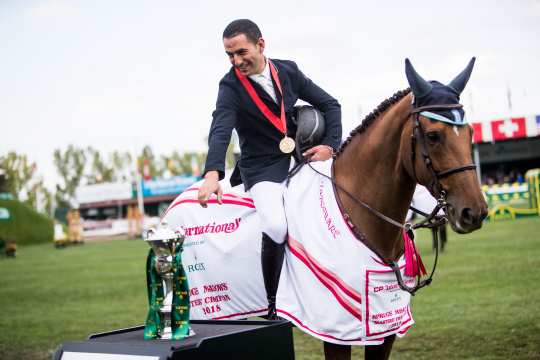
(387, 306)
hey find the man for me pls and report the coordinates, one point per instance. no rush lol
(256, 97)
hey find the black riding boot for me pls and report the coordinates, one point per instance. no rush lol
(272, 255)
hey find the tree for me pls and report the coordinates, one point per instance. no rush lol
(121, 163)
(70, 166)
(19, 171)
(100, 171)
(190, 163)
(40, 198)
(117, 167)
(23, 182)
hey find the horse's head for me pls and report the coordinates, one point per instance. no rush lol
(441, 148)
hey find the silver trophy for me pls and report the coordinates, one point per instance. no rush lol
(165, 243)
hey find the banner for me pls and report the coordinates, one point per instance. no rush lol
(103, 192)
(171, 186)
(509, 201)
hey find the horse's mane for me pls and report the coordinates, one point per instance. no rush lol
(374, 115)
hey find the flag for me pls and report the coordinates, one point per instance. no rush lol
(146, 170)
(477, 133)
(509, 129)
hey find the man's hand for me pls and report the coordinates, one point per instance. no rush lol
(319, 153)
(210, 186)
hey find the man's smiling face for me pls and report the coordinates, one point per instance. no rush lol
(245, 55)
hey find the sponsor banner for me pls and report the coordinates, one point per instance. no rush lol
(112, 227)
(171, 186)
(109, 227)
(103, 192)
(515, 195)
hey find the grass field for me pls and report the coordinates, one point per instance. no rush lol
(483, 303)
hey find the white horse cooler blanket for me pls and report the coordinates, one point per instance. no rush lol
(332, 286)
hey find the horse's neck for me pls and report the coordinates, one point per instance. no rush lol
(372, 169)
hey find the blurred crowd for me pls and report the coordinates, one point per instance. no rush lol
(500, 176)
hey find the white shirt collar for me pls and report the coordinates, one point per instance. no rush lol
(264, 79)
(264, 74)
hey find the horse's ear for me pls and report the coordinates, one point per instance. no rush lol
(419, 86)
(458, 84)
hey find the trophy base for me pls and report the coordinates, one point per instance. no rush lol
(167, 333)
(223, 339)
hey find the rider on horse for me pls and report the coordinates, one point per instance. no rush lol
(256, 98)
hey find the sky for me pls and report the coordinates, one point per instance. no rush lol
(118, 75)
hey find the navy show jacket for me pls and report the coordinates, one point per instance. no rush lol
(261, 159)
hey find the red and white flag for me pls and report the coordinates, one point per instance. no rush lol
(477, 133)
(509, 129)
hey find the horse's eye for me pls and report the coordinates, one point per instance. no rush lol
(434, 137)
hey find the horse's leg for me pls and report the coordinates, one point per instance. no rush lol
(380, 352)
(336, 352)
(442, 236)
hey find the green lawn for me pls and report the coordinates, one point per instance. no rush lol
(483, 303)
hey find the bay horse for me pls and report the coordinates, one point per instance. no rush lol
(417, 136)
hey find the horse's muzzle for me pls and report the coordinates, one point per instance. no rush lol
(466, 219)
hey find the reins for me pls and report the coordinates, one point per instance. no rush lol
(430, 221)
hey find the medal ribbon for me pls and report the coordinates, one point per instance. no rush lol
(280, 123)
(154, 325)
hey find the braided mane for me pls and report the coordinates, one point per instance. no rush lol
(374, 115)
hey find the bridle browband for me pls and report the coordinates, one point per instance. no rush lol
(431, 220)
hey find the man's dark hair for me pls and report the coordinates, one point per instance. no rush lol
(243, 26)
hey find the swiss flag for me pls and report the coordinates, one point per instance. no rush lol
(508, 129)
(477, 133)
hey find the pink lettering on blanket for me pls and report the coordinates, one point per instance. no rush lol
(212, 228)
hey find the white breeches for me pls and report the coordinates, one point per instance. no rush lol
(268, 199)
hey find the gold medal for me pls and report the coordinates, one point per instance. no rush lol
(287, 145)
